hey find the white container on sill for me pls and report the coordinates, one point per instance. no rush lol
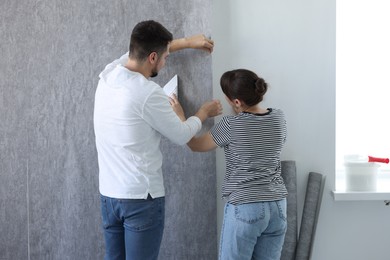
(361, 176)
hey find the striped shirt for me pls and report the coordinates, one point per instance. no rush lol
(252, 145)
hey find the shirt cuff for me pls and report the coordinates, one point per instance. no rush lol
(197, 123)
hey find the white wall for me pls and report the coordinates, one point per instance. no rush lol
(291, 44)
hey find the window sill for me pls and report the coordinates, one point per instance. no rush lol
(382, 191)
(360, 195)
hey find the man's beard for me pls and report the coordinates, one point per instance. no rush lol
(154, 74)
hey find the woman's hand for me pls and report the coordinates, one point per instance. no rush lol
(209, 109)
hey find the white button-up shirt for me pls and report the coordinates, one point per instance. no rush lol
(131, 113)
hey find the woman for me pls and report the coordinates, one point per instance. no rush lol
(255, 222)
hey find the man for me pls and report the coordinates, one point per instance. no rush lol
(131, 114)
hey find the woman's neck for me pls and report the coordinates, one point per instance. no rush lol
(255, 110)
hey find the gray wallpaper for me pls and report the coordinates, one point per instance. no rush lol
(51, 55)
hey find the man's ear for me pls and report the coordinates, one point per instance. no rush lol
(153, 57)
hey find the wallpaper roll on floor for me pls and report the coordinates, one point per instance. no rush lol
(314, 190)
(290, 241)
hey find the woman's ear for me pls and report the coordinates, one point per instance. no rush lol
(236, 102)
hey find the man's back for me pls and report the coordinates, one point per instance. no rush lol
(129, 159)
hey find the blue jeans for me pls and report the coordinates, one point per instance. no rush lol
(253, 231)
(133, 228)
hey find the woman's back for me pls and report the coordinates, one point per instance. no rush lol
(253, 144)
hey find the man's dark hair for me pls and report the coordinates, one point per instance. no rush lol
(147, 37)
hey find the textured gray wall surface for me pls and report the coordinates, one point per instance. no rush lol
(51, 55)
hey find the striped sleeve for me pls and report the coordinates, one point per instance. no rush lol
(221, 132)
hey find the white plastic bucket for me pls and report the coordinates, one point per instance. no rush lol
(361, 176)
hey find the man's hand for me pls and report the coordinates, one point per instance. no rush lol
(201, 42)
(175, 104)
(198, 41)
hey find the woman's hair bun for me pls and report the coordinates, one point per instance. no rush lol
(261, 86)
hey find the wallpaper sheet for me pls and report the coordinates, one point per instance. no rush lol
(51, 55)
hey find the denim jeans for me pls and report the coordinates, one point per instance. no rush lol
(133, 228)
(253, 231)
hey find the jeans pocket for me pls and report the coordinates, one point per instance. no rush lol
(145, 215)
(250, 213)
(103, 206)
(282, 206)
